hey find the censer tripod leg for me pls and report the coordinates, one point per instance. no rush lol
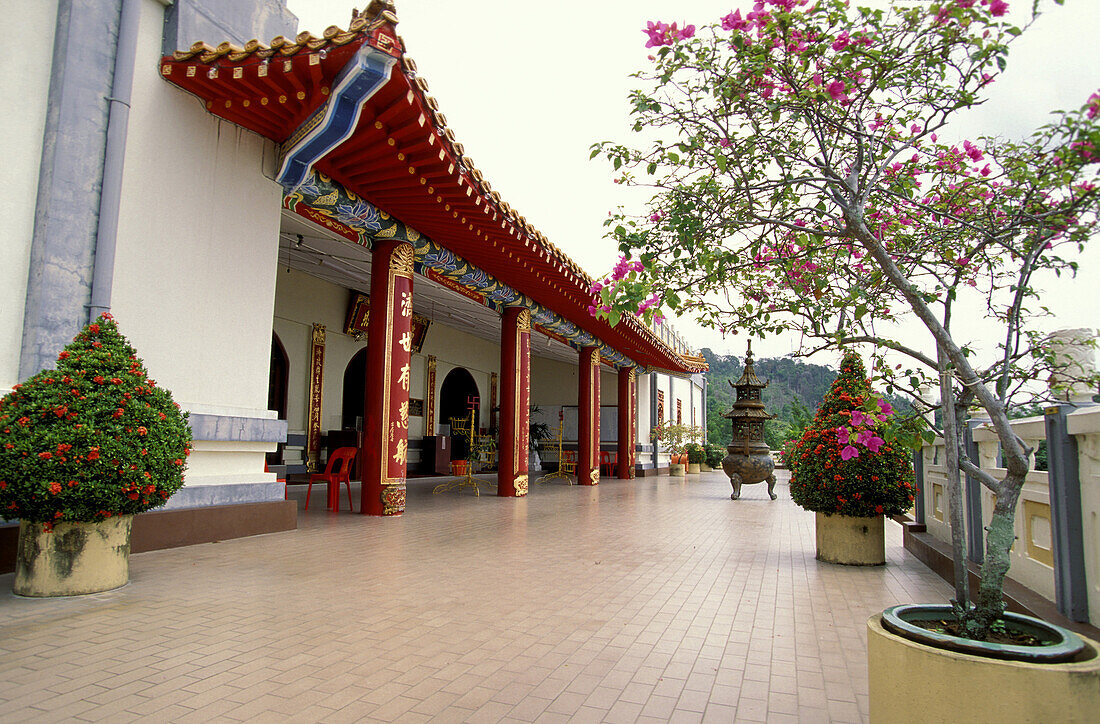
(735, 481)
(771, 486)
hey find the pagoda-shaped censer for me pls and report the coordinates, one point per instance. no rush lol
(749, 459)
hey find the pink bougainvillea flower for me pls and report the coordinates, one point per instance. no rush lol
(687, 32)
(863, 437)
(848, 453)
(841, 41)
(724, 142)
(1094, 105)
(842, 435)
(875, 443)
(733, 21)
(885, 407)
(997, 8)
(837, 90)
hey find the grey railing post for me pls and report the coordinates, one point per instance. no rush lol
(975, 540)
(918, 474)
(1070, 591)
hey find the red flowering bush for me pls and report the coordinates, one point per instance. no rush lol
(846, 462)
(91, 439)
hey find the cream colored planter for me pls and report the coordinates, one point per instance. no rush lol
(851, 541)
(912, 682)
(693, 468)
(676, 470)
(72, 559)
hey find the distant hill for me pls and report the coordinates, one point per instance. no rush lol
(794, 388)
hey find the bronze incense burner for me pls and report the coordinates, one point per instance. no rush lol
(749, 459)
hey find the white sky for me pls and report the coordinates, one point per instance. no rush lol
(527, 87)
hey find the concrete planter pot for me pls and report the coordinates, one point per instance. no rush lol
(957, 686)
(74, 558)
(676, 470)
(851, 541)
(694, 468)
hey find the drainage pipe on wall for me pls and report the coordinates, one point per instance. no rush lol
(114, 158)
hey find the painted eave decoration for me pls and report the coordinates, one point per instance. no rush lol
(350, 107)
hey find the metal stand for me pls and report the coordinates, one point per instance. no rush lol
(566, 468)
(467, 427)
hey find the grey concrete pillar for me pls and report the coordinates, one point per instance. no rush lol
(1070, 589)
(972, 489)
(69, 180)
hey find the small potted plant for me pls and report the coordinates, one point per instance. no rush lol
(849, 468)
(672, 435)
(714, 454)
(538, 431)
(696, 456)
(83, 448)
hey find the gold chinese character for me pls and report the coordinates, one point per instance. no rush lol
(406, 304)
(403, 379)
(403, 411)
(406, 341)
(402, 452)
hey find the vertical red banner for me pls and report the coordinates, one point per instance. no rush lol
(389, 372)
(429, 398)
(627, 421)
(515, 413)
(588, 422)
(316, 397)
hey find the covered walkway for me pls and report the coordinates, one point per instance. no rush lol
(648, 599)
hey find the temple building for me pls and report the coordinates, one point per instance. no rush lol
(300, 249)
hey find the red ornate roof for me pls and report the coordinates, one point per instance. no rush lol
(404, 159)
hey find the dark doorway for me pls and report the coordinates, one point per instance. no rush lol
(278, 375)
(354, 399)
(454, 396)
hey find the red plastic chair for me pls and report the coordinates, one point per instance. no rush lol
(608, 460)
(337, 471)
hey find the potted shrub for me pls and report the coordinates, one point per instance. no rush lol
(714, 455)
(850, 470)
(83, 448)
(672, 435)
(696, 456)
(538, 432)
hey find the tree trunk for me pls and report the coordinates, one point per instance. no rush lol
(954, 485)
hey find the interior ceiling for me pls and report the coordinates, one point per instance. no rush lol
(336, 260)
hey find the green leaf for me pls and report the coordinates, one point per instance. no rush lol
(614, 317)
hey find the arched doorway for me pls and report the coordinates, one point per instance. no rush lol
(278, 374)
(454, 396)
(354, 396)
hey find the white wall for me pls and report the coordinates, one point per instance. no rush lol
(194, 281)
(24, 85)
(197, 243)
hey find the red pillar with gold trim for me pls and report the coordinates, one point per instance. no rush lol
(627, 421)
(389, 350)
(588, 418)
(515, 396)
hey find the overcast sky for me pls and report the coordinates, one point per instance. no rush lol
(527, 87)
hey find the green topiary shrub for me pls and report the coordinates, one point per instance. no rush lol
(847, 461)
(696, 454)
(91, 439)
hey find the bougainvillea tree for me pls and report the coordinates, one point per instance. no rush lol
(91, 439)
(803, 186)
(847, 462)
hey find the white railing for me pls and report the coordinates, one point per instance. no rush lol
(1032, 555)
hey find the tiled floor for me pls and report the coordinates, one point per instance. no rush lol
(650, 600)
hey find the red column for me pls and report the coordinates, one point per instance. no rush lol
(515, 396)
(627, 421)
(389, 348)
(588, 418)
